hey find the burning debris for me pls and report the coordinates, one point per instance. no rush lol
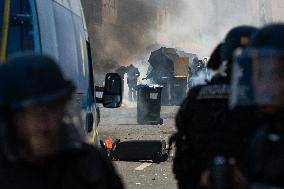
(137, 150)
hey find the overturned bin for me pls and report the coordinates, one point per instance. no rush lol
(149, 105)
(139, 150)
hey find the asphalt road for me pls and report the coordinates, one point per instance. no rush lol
(121, 124)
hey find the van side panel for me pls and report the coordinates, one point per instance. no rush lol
(47, 28)
(75, 6)
(83, 67)
(14, 36)
(2, 4)
(66, 39)
(63, 38)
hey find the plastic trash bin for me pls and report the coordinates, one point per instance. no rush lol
(149, 105)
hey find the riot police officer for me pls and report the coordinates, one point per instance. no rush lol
(132, 79)
(203, 121)
(260, 84)
(41, 143)
(121, 72)
(198, 73)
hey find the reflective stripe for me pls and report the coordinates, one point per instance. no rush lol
(83, 57)
(91, 138)
(5, 29)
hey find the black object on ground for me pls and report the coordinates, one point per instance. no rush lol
(138, 150)
(149, 105)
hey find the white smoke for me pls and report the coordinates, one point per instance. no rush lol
(202, 77)
(199, 25)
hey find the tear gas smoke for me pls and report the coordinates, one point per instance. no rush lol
(127, 39)
(195, 26)
(106, 65)
(201, 78)
(199, 25)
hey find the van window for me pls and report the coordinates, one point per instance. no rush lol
(20, 29)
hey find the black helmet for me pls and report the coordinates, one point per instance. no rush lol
(238, 37)
(30, 79)
(270, 36)
(215, 58)
(258, 72)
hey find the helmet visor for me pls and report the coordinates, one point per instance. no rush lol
(257, 78)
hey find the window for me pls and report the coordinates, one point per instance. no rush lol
(22, 28)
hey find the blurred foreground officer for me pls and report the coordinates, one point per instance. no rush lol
(40, 144)
(260, 84)
(203, 121)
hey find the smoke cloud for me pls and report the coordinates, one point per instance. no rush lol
(195, 26)
(199, 25)
(125, 41)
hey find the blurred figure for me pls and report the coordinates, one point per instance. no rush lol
(121, 72)
(41, 142)
(132, 78)
(261, 85)
(197, 66)
(198, 73)
(203, 121)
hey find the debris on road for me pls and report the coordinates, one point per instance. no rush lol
(136, 150)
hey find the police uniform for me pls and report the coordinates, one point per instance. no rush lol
(209, 129)
(132, 75)
(82, 168)
(265, 59)
(35, 80)
(206, 127)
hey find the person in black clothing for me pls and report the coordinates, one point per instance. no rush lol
(263, 63)
(132, 79)
(203, 121)
(42, 145)
(121, 72)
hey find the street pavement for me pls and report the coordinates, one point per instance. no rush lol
(122, 124)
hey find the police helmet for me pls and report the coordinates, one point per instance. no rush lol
(236, 38)
(270, 36)
(29, 79)
(258, 73)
